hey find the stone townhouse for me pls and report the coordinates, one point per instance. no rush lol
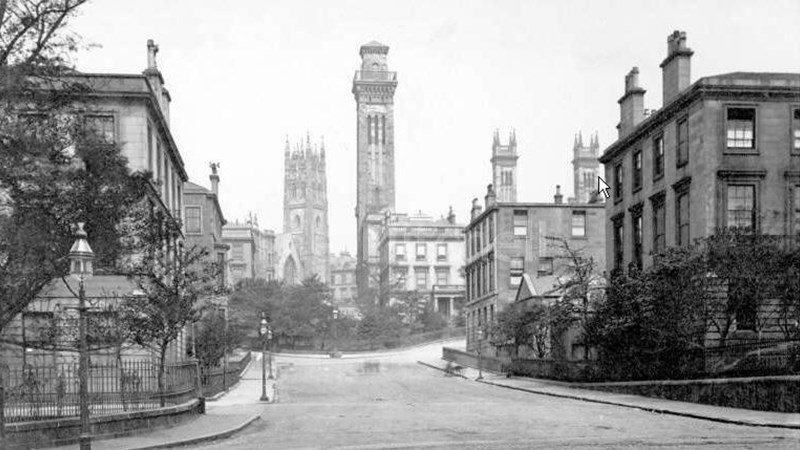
(132, 111)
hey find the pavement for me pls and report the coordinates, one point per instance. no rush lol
(227, 414)
(656, 405)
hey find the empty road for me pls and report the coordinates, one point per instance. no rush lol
(390, 402)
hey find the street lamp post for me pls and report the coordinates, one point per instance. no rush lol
(269, 343)
(334, 354)
(80, 257)
(480, 359)
(263, 332)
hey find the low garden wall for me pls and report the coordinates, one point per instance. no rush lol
(534, 368)
(767, 393)
(65, 431)
(777, 393)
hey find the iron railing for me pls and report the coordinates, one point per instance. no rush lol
(51, 392)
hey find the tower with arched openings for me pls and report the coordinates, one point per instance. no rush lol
(305, 207)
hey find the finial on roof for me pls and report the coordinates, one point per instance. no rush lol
(152, 50)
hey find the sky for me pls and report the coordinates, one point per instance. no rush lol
(245, 74)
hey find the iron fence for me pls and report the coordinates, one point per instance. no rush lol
(767, 355)
(51, 392)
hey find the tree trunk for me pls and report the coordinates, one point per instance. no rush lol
(161, 366)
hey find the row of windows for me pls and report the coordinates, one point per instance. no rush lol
(421, 252)
(682, 237)
(376, 126)
(740, 211)
(480, 277)
(577, 223)
(297, 222)
(478, 320)
(158, 162)
(420, 277)
(480, 236)
(343, 278)
(740, 134)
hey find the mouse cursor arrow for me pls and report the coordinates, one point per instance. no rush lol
(603, 187)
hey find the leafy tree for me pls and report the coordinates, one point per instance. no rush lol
(752, 266)
(53, 171)
(34, 232)
(213, 340)
(524, 324)
(171, 280)
(431, 320)
(249, 299)
(579, 286)
(298, 314)
(380, 324)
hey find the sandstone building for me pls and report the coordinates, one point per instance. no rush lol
(204, 221)
(343, 283)
(723, 151)
(507, 241)
(426, 256)
(373, 89)
(133, 112)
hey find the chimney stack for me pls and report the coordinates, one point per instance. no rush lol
(491, 198)
(214, 178)
(558, 198)
(476, 209)
(631, 104)
(451, 216)
(676, 67)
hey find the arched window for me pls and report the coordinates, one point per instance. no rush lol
(290, 271)
(376, 66)
(371, 129)
(319, 222)
(297, 222)
(383, 130)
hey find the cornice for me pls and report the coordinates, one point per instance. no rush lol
(700, 89)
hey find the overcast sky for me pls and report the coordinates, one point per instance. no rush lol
(244, 74)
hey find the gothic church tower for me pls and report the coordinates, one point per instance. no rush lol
(504, 168)
(585, 167)
(305, 206)
(373, 89)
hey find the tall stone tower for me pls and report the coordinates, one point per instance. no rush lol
(585, 167)
(504, 167)
(305, 206)
(373, 89)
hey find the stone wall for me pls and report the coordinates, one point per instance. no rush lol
(48, 433)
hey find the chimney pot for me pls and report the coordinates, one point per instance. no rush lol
(214, 177)
(676, 67)
(558, 198)
(631, 104)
